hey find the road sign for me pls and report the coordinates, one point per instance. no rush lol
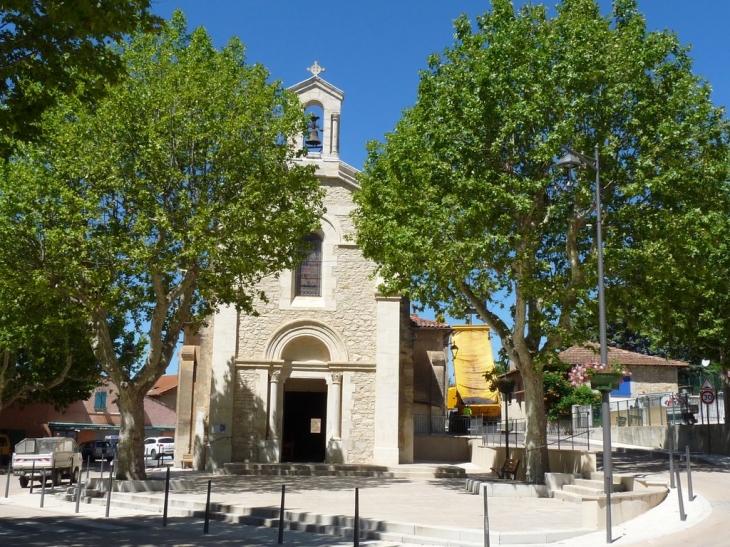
(707, 385)
(708, 397)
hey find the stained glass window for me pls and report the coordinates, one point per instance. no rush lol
(309, 272)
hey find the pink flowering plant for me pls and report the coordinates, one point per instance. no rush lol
(581, 374)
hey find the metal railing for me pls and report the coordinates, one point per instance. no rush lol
(666, 409)
(495, 433)
(645, 410)
(574, 430)
(429, 425)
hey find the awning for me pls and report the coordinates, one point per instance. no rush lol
(70, 426)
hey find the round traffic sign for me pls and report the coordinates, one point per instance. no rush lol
(708, 397)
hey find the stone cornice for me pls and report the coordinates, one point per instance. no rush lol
(315, 82)
(333, 366)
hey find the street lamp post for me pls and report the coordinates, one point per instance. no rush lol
(573, 160)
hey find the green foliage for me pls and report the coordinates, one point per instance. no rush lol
(560, 396)
(175, 196)
(52, 47)
(44, 351)
(462, 207)
(45, 354)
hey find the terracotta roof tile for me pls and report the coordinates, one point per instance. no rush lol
(417, 321)
(163, 385)
(590, 352)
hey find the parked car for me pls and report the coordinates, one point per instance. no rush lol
(159, 447)
(96, 450)
(54, 458)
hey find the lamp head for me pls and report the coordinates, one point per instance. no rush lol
(571, 161)
(454, 350)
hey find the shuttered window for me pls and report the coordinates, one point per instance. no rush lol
(100, 400)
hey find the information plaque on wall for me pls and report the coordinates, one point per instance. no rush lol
(316, 426)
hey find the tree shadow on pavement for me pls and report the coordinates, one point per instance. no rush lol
(75, 531)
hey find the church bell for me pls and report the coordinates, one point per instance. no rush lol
(312, 140)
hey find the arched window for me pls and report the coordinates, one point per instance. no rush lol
(309, 272)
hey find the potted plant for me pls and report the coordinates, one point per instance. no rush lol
(498, 381)
(601, 377)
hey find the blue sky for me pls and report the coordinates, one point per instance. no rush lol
(373, 50)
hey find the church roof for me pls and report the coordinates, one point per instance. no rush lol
(317, 82)
(417, 321)
(590, 353)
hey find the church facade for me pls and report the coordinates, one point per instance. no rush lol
(325, 372)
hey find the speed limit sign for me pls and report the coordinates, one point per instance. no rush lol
(708, 397)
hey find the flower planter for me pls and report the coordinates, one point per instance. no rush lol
(505, 385)
(606, 381)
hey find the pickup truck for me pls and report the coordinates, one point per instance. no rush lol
(59, 457)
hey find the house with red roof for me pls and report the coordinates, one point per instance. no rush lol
(165, 390)
(649, 373)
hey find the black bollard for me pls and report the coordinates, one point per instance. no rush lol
(356, 529)
(43, 487)
(78, 495)
(167, 493)
(207, 511)
(690, 493)
(109, 489)
(7, 481)
(671, 459)
(682, 514)
(281, 516)
(486, 517)
(32, 474)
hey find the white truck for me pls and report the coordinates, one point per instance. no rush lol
(58, 457)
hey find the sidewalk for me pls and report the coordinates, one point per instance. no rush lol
(440, 509)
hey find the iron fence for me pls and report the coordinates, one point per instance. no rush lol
(666, 409)
(496, 433)
(644, 410)
(573, 430)
(424, 424)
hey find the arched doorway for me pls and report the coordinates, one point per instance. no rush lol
(305, 420)
(304, 427)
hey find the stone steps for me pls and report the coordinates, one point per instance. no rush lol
(332, 525)
(597, 484)
(568, 497)
(585, 488)
(344, 470)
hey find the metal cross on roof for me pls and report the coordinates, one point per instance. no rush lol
(315, 69)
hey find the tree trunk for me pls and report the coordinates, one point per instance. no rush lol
(536, 452)
(131, 465)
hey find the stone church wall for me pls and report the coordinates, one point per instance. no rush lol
(354, 290)
(405, 404)
(249, 417)
(358, 425)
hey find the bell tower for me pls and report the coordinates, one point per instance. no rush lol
(323, 132)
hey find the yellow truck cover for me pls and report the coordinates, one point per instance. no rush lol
(472, 357)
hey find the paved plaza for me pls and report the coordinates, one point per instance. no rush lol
(439, 508)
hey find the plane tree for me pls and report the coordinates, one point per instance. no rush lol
(52, 47)
(461, 205)
(44, 353)
(170, 199)
(686, 307)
